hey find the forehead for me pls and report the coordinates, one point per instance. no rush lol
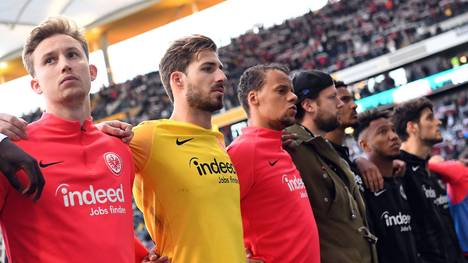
(56, 43)
(379, 123)
(343, 92)
(206, 56)
(425, 112)
(277, 77)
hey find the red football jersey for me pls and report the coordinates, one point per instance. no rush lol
(278, 222)
(85, 211)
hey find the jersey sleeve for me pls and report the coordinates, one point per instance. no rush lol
(140, 250)
(141, 145)
(450, 171)
(4, 188)
(242, 158)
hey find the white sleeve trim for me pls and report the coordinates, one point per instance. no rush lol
(2, 136)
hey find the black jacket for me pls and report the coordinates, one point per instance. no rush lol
(391, 220)
(435, 236)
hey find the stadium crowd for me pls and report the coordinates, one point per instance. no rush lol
(348, 34)
(338, 36)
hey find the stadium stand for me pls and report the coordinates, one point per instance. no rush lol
(340, 35)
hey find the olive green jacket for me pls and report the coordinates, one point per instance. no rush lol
(338, 206)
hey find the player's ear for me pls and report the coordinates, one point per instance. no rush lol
(35, 86)
(92, 72)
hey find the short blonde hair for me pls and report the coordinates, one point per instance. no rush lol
(52, 26)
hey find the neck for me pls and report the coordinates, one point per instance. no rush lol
(310, 125)
(416, 147)
(79, 112)
(191, 115)
(336, 136)
(385, 165)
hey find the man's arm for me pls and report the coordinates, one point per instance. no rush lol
(15, 128)
(370, 174)
(12, 159)
(450, 171)
(116, 128)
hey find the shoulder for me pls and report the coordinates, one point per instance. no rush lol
(35, 131)
(144, 131)
(241, 144)
(146, 126)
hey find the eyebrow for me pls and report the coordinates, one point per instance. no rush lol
(220, 66)
(346, 97)
(282, 86)
(48, 54)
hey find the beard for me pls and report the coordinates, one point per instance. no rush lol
(196, 100)
(326, 124)
(350, 122)
(431, 140)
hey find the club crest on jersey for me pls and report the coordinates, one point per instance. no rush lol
(114, 163)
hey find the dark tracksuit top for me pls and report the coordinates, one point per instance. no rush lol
(389, 212)
(433, 228)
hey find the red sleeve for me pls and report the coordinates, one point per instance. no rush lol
(450, 171)
(4, 189)
(140, 251)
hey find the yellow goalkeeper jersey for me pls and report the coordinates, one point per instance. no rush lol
(188, 191)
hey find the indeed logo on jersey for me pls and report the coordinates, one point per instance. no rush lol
(108, 200)
(294, 184)
(442, 200)
(214, 167)
(399, 220)
(429, 192)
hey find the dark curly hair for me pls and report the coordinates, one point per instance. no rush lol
(365, 118)
(409, 112)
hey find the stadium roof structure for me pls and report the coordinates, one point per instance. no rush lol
(106, 22)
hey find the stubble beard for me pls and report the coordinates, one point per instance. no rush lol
(196, 100)
(326, 124)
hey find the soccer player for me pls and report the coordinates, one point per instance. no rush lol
(455, 174)
(365, 173)
(279, 225)
(433, 229)
(186, 185)
(338, 205)
(388, 208)
(85, 211)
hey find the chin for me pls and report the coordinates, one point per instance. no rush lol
(286, 122)
(74, 95)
